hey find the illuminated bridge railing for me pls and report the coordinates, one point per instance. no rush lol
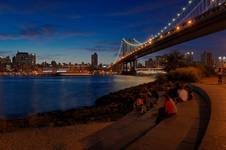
(204, 10)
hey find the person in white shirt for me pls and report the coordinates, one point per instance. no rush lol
(183, 94)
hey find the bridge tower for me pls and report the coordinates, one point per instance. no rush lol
(128, 67)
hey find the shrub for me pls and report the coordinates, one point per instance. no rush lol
(161, 78)
(186, 74)
(207, 71)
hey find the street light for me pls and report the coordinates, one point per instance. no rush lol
(189, 56)
(222, 60)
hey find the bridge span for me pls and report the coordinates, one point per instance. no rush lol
(210, 20)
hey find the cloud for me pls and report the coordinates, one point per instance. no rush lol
(43, 31)
(5, 7)
(147, 7)
(49, 57)
(105, 46)
(35, 31)
(77, 33)
(5, 53)
(70, 17)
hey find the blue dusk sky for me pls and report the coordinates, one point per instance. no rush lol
(71, 30)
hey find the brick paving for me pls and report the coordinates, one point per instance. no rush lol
(215, 137)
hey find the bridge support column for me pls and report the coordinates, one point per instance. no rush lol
(133, 67)
(125, 67)
(129, 68)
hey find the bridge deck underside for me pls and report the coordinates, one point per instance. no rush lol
(210, 22)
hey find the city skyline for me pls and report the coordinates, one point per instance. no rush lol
(66, 31)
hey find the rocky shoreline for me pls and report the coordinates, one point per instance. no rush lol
(108, 108)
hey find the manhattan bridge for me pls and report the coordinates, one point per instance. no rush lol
(198, 18)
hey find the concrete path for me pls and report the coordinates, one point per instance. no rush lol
(172, 133)
(121, 133)
(133, 132)
(215, 137)
(50, 138)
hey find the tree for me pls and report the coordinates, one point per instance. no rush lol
(174, 60)
(53, 63)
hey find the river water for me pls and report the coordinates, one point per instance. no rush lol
(23, 96)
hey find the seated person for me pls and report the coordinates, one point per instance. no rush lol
(151, 98)
(189, 89)
(140, 104)
(183, 94)
(168, 110)
(173, 92)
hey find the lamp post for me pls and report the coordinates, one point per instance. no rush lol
(222, 60)
(189, 56)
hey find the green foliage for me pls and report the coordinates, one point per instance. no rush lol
(207, 70)
(174, 60)
(161, 78)
(186, 74)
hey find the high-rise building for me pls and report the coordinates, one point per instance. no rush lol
(207, 59)
(149, 63)
(5, 63)
(24, 60)
(160, 61)
(94, 60)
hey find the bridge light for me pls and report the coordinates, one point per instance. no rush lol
(150, 40)
(178, 15)
(173, 19)
(189, 21)
(190, 1)
(183, 8)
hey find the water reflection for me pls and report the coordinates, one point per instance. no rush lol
(21, 96)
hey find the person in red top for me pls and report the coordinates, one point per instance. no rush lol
(140, 104)
(168, 110)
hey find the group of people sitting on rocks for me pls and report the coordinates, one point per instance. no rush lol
(164, 102)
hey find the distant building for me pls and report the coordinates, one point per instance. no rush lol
(149, 63)
(140, 65)
(5, 64)
(24, 61)
(94, 60)
(207, 59)
(160, 61)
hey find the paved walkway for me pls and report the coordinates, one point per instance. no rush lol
(172, 133)
(215, 137)
(121, 133)
(132, 132)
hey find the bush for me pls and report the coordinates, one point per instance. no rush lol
(161, 78)
(186, 74)
(206, 70)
